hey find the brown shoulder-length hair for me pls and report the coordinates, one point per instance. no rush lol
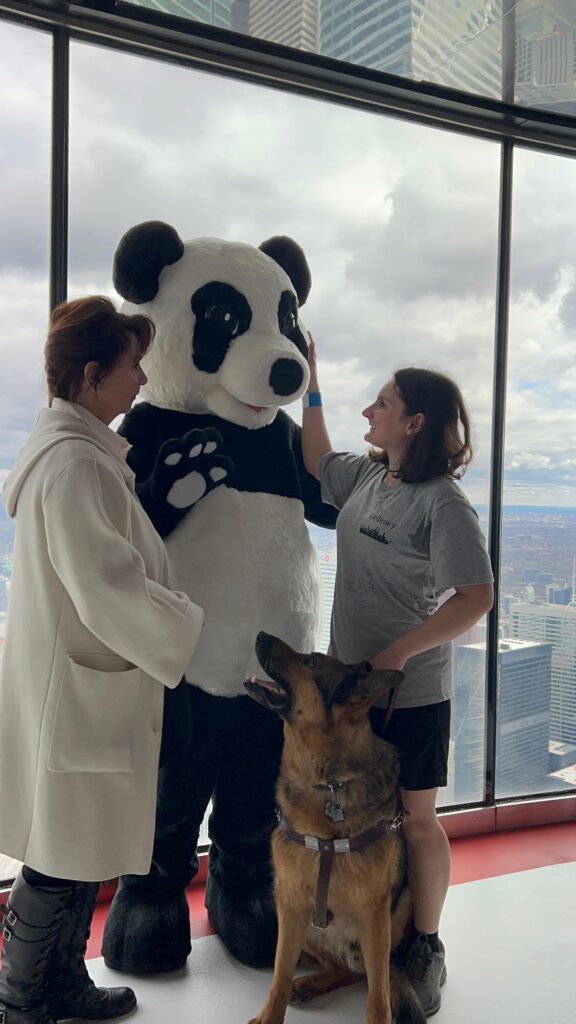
(89, 330)
(443, 446)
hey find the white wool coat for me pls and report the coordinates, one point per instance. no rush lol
(92, 633)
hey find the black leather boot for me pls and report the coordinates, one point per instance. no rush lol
(70, 991)
(32, 921)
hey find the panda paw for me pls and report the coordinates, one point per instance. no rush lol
(189, 467)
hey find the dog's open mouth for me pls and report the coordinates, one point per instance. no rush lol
(275, 693)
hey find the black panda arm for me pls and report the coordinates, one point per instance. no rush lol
(142, 427)
(315, 510)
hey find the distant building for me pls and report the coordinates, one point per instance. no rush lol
(555, 625)
(562, 755)
(546, 56)
(374, 33)
(290, 22)
(506, 602)
(522, 756)
(558, 595)
(3, 595)
(452, 44)
(327, 561)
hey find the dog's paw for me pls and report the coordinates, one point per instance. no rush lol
(301, 992)
(189, 467)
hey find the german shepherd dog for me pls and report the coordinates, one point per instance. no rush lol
(339, 856)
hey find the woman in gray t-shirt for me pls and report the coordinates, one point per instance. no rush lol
(406, 535)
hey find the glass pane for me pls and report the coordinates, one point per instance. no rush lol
(465, 44)
(399, 224)
(24, 212)
(537, 689)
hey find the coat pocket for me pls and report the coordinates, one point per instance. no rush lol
(97, 708)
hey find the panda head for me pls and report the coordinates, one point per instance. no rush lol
(228, 338)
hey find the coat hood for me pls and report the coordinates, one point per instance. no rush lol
(52, 427)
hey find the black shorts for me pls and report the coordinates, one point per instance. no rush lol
(421, 737)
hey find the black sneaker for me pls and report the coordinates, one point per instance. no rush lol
(427, 972)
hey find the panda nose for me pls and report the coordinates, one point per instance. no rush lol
(286, 376)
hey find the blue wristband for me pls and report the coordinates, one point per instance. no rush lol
(311, 398)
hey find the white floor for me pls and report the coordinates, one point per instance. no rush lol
(510, 954)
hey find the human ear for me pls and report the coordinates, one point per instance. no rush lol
(91, 374)
(416, 423)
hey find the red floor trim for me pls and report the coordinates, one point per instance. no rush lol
(502, 853)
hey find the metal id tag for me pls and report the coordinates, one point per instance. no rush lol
(333, 810)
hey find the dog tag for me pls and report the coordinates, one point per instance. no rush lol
(333, 810)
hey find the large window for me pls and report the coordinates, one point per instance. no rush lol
(536, 737)
(24, 208)
(399, 224)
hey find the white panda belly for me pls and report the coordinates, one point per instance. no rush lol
(248, 561)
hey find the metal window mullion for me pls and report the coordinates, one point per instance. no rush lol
(497, 466)
(59, 167)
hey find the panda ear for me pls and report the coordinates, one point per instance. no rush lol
(142, 254)
(291, 258)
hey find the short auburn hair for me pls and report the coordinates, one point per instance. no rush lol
(443, 446)
(89, 330)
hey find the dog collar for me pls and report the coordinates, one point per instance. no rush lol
(327, 848)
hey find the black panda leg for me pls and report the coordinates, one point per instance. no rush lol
(239, 892)
(148, 925)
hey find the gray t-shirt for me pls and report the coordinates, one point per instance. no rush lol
(399, 549)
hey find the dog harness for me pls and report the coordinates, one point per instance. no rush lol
(327, 848)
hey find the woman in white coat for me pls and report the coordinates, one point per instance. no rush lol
(93, 635)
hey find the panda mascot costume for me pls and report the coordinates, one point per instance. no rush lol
(219, 470)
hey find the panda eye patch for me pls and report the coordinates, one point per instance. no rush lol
(223, 316)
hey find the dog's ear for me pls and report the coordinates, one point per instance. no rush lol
(363, 686)
(270, 694)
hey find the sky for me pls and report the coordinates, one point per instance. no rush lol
(399, 224)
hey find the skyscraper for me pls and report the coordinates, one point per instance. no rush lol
(291, 22)
(455, 44)
(523, 717)
(555, 625)
(522, 739)
(375, 33)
